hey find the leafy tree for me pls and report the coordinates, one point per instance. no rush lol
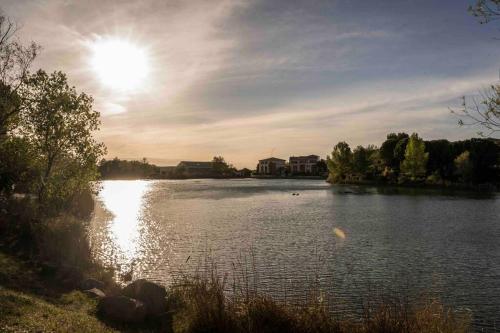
(321, 167)
(220, 166)
(17, 166)
(361, 161)
(441, 156)
(416, 158)
(464, 167)
(59, 124)
(387, 149)
(120, 169)
(15, 61)
(340, 163)
(399, 150)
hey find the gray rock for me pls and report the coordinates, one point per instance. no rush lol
(95, 293)
(122, 309)
(151, 294)
(91, 284)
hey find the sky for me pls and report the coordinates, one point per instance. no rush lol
(253, 79)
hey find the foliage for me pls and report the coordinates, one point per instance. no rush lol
(388, 149)
(29, 303)
(441, 157)
(432, 161)
(122, 169)
(59, 124)
(464, 166)
(201, 305)
(221, 167)
(340, 162)
(361, 161)
(416, 158)
(15, 61)
(17, 164)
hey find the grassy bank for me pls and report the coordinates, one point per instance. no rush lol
(29, 302)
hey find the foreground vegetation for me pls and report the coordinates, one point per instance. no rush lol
(30, 302)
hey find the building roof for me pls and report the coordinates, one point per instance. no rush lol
(196, 165)
(305, 157)
(272, 159)
(168, 167)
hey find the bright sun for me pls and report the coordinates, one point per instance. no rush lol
(119, 64)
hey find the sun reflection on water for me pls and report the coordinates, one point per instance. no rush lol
(124, 200)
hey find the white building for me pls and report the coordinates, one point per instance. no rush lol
(304, 164)
(271, 166)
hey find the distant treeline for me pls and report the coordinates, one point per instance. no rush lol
(123, 169)
(408, 159)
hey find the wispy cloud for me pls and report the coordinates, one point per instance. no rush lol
(242, 78)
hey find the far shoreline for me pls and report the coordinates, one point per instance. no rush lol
(473, 188)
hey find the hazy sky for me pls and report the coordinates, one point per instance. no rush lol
(247, 79)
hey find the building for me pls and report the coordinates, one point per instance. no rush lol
(196, 169)
(244, 173)
(271, 166)
(304, 164)
(166, 171)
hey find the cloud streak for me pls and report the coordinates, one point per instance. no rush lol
(242, 78)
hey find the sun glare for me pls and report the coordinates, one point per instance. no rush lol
(119, 64)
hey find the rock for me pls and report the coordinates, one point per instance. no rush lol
(91, 284)
(122, 309)
(151, 294)
(95, 293)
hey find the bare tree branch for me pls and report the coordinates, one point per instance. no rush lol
(483, 113)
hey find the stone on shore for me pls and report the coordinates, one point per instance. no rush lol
(122, 309)
(151, 294)
(88, 284)
(95, 293)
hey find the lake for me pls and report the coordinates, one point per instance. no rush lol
(354, 243)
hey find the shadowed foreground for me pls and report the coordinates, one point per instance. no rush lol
(30, 303)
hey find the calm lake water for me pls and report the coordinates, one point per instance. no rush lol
(355, 243)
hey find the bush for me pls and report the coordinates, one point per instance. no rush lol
(200, 305)
(62, 240)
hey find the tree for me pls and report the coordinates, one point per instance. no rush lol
(414, 164)
(441, 156)
(17, 165)
(484, 113)
(464, 167)
(220, 166)
(399, 150)
(340, 163)
(387, 149)
(15, 61)
(59, 124)
(486, 10)
(361, 161)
